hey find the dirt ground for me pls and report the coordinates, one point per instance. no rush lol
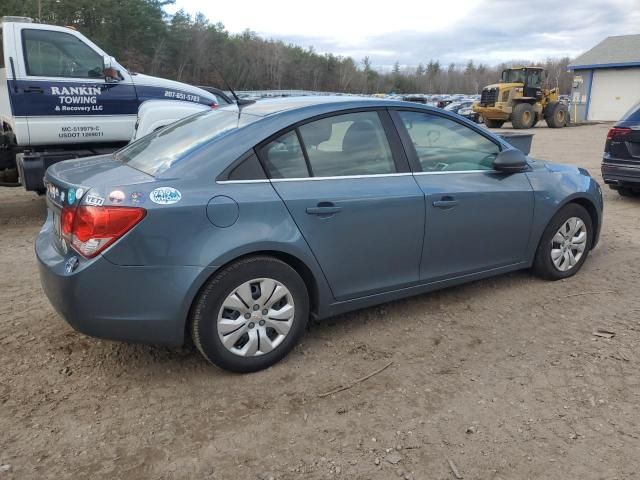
(502, 377)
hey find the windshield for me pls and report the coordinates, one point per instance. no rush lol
(513, 76)
(156, 152)
(453, 106)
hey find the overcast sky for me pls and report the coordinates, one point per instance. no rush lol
(413, 31)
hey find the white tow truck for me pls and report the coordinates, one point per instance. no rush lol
(62, 97)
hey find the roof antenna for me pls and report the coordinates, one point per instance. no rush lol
(240, 102)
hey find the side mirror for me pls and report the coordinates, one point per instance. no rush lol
(511, 161)
(111, 74)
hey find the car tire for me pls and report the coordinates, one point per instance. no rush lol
(493, 123)
(240, 287)
(556, 115)
(523, 116)
(544, 264)
(627, 192)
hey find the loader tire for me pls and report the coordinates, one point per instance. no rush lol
(523, 116)
(556, 115)
(493, 123)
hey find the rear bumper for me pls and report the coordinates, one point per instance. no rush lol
(127, 303)
(620, 173)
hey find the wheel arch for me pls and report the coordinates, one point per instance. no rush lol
(306, 273)
(584, 202)
(591, 209)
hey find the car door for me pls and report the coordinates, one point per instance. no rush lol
(349, 190)
(477, 219)
(62, 91)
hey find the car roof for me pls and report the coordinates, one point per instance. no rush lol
(270, 106)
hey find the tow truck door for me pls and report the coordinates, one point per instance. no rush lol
(59, 88)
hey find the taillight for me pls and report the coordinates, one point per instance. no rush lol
(618, 132)
(214, 105)
(90, 230)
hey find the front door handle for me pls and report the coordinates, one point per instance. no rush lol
(324, 208)
(445, 202)
(32, 90)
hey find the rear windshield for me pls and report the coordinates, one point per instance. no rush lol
(156, 152)
(633, 114)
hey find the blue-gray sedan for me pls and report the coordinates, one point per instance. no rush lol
(235, 227)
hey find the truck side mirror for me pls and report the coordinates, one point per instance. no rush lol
(111, 74)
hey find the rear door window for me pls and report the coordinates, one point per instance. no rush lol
(346, 145)
(284, 158)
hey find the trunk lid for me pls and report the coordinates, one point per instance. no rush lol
(85, 180)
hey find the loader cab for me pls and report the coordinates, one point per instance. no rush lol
(530, 77)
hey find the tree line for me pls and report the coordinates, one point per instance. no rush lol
(192, 49)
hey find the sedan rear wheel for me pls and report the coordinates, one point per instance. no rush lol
(565, 243)
(251, 314)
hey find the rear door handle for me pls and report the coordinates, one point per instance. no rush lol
(445, 202)
(324, 208)
(32, 90)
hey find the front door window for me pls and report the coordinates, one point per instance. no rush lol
(59, 54)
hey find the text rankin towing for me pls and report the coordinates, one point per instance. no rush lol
(71, 96)
(75, 100)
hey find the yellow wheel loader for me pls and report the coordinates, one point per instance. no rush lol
(519, 98)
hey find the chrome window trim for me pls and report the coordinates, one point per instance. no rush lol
(346, 177)
(231, 182)
(456, 171)
(342, 177)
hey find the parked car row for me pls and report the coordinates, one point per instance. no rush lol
(458, 103)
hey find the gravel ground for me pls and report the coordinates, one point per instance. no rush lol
(498, 379)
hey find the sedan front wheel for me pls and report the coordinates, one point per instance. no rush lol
(565, 243)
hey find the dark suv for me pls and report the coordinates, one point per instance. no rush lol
(621, 162)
